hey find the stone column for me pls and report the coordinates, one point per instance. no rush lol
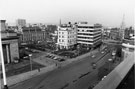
(7, 50)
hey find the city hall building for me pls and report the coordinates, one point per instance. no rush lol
(32, 34)
(89, 35)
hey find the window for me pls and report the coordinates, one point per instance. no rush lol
(62, 32)
(59, 40)
(62, 40)
(59, 36)
(62, 36)
(85, 27)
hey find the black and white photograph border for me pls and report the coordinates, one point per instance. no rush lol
(67, 44)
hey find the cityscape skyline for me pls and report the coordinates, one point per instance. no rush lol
(106, 12)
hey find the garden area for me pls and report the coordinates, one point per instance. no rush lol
(21, 67)
(67, 54)
(70, 53)
(42, 46)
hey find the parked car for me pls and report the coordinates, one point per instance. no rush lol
(55, 58)
(62, 60)
(93, 56)
(102, 52)
(52, 57)
(48, 56)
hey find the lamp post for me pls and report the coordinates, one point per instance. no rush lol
(3, 65)
(30, 62)
(109, 64)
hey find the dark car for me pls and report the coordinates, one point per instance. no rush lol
(93, 65)
(62, 60)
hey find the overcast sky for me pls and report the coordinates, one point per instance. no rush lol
(106, 12)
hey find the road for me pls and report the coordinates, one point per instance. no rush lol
(77, 75)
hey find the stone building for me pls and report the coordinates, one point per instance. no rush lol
(114, 34)
(66, 36)
(32, 34)
(9, 43)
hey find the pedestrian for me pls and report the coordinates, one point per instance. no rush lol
(38, 69)
(56, 64)
(40, 58)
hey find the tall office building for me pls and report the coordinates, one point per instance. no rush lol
(21, 22)
(89, 35)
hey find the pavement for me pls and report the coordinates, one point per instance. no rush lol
(43, 60)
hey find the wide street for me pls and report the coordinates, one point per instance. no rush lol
(77, 75)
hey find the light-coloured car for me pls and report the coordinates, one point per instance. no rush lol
(102, 52)
(103, 78)
(113, 53)
(55, 58)
(93, 56)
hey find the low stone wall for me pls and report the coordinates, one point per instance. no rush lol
(114, 78)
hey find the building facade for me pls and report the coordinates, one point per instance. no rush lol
(32, 34)
(89, 35)
(66, 36)
(9, 44)
(114, 34)
(129, 33)
(21, 22)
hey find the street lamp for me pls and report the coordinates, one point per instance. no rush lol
(109, 64)
(3, 65)
(30, 55)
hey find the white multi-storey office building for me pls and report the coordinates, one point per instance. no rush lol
(66, 36)
(89, 35)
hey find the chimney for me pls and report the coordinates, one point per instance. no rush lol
(2, 25)
(69, 22)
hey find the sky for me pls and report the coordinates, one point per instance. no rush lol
(106, 12)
